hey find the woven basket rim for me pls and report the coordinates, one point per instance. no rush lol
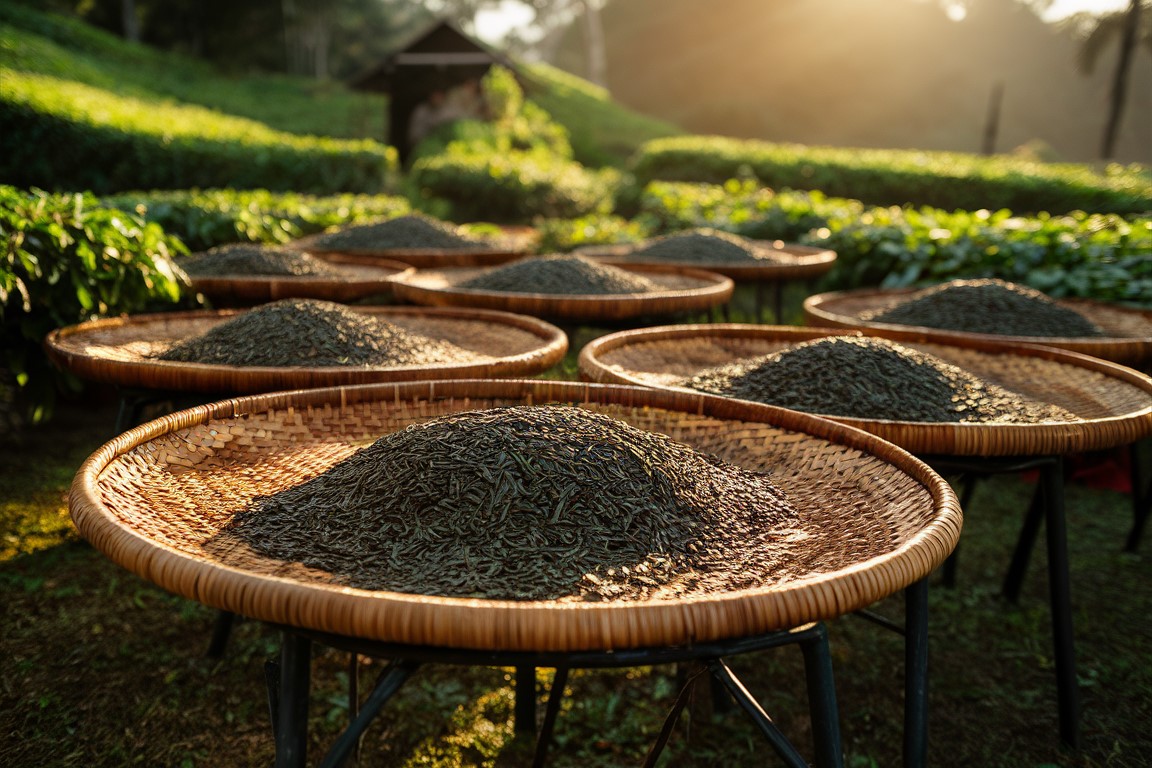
(920, 438)
(577, 625)
(1122, 349)
(208, 377)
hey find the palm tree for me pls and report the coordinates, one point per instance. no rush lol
(1133, 27)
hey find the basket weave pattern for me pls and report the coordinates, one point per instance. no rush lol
(155, 500)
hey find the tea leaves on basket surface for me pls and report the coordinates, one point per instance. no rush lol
(412, 231)
(254, 259)
(988, 306)
(871, 378)
(704, 246)
(531, 503)
(310, 333)
(568, 275)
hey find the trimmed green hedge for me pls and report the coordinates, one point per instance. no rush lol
(512, 168)
(1098, 256)
(205, 218)
(898, 177)
(65, 135)
(65, 259)
(514, 187)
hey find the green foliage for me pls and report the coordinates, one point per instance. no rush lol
(511, 168)
(1097, 256)
(66, 135)
(70, 49)
(66, 260)
(514, 187)
(602, 133)
(897, 177)
(562, 235)
(204, 218)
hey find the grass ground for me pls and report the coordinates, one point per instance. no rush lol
(99, 668)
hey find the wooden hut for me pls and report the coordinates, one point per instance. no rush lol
(435, 64)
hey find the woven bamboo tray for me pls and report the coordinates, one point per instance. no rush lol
(1114, 402)
(789, 262)
(156, 498)
(683, 290)
(118, 351)
(362, 280)
(514, 243)
(1129, 339)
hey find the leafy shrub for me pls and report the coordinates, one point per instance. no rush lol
(1098, 256)
(513, 187)
(65, 135)
(67, 260)
(204, 218)
(562, 235)
(898, 177)
(512, 168)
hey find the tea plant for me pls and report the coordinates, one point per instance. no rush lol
(65, 259)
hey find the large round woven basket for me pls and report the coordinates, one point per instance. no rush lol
(1128, 338)
(682, 290)
(358, 282)
(514, 243)
(156, 499)
(120, 351)
(1114, 403)
(783, 261)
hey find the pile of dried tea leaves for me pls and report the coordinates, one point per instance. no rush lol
(308, 333)
(988, 306)
(253, 260)
(871, 378)
(404, 232)
(568, 275)
(542, 502)
(705, 246)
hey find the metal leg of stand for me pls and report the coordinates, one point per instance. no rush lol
(551, 711)
(916, 674)
(1014, 578)
(221, 631)
(752, 708)
(524, 717)
(1141, 499)
(822, 706)
(670, 721)
(387, 684)
(1060, 591)
(291, 725)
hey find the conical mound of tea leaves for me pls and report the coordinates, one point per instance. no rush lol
(988, 306)
(871, 378)
(403, 232)
(253, 260)
(310, 333)
(530, 503)
(710, 246)
(569, 275)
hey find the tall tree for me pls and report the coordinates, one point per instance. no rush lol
(1132, 28)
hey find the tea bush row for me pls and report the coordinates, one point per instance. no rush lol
(513, 167)
(205, 218)
(67, 259)
(898, 177)
(1098, 256)
(66, 135)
